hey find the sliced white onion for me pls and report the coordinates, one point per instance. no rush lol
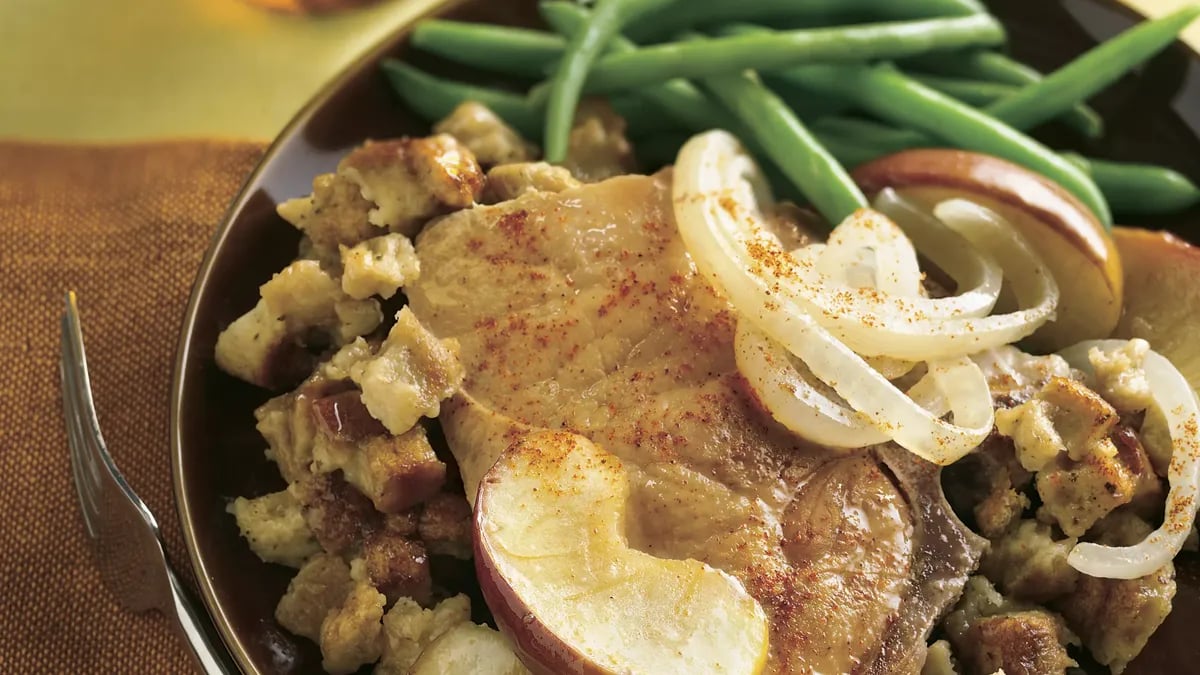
(806, 409)
(792, 400)
(1175, 399)
(874, 323)
(720, 222)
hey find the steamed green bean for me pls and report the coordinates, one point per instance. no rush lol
(888, 94)
(791, 146)
(434, 98)
(671, 20)
(777, 50)
(1001, 69)
(1140, 189)
(1092, 71)
(582, 49)
(521, 52)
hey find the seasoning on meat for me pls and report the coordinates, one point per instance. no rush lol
(580, 310)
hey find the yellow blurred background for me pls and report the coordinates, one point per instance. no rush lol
(113, 70)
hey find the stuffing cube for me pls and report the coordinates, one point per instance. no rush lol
(597, 147)
(409, 629)
(318, 588)
(274, 527)
(398, 567)
(335, 214)
(509, 181)
(487, 136)
(395, 472)
(413, 372)
(445, 525)
(1077, 494)
(1021, 643)
(410, 180)
(1028, 564)
(1120, 377)
(336, 513)
(1116, 617)
(352, 635)
(379, 266)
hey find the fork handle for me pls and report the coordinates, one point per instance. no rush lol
(208, 653)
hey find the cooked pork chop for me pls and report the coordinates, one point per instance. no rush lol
(581, 310)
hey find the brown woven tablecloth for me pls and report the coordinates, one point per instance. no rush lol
(126, 227)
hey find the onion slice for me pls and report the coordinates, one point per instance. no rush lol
(1177, 402)
(715, 193)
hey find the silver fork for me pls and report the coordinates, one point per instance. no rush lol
(125, 540)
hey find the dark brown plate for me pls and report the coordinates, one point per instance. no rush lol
(217, 454)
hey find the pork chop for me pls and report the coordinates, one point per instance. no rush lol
(582, 311)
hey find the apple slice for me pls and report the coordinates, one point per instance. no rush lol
(1072, 242)
(563, 583)
(469, 649)
(1162, 296)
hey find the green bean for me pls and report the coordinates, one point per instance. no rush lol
(777, 50)
(582, 49)
(500, 49)
(678, 99)
(673, 19)
(1140, 189)
(976, 93)
(888, 94)
(1092, 71)
(882, 139)
(996, 67)
(1129, 189)
(984, 94)
(433, 98)
(791, 146)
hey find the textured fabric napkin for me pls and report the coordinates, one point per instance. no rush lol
(126, 227)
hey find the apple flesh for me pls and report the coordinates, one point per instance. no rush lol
(562, 582)
(1073, 244)
(469, 649)
(1162, 296)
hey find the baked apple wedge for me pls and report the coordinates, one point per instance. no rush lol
(564, 585)
(1162, 278)
(1058, 226)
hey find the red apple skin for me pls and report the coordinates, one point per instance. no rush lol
(1007, 184)
(540, 650)
(975, 173)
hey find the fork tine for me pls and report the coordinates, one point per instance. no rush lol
(98, 458)
(85, 484)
